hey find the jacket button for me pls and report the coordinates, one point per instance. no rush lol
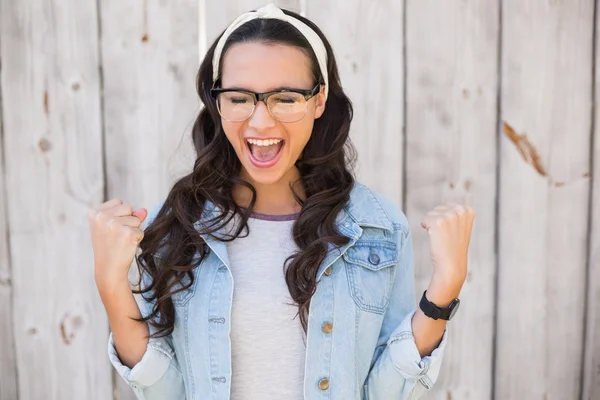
(324, 384)
(328, 271)
(374, 258)
(327, 327)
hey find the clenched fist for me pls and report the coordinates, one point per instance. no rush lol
(449, 227)
(116, 234)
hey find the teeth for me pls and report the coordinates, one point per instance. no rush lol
(267, 142)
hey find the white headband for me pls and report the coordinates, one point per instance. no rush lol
(271, 11)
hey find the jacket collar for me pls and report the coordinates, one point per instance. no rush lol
(365, 209)
(362, 210)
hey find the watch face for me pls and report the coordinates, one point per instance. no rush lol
(454, 308)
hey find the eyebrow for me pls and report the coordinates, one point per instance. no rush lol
(272, 90)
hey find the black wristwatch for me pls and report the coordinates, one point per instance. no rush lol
(433, 311)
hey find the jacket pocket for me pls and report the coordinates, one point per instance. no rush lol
(370, 268)
(181, 298)
(365, 392)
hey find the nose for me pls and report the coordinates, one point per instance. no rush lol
(261, 118)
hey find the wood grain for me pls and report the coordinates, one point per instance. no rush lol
(452, 79)
(150, 62)
(8, 362)
(53, 159)
(221, 15)
(97, 100)
(367, 38)
(591, 372)
(546, 81)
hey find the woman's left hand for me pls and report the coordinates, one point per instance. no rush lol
(449, 227)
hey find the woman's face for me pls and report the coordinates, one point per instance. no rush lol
(260, 67)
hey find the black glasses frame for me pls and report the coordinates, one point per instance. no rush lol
(264, 97)
(308, 94)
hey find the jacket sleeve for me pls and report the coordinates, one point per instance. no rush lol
(399, 372)
(157, 375)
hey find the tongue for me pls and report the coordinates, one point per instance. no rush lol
(265, 153)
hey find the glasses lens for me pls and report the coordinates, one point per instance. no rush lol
(287, 106)
(235, 106)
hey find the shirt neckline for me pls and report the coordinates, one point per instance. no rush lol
(270, 217)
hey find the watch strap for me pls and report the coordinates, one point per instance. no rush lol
(433, 311)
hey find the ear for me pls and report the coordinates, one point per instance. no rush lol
(320, 103)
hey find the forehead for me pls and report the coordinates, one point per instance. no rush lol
(261, 67)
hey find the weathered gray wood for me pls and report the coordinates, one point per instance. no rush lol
(220, 15)
(544, 189)
(150, 62)
(452, 78)
(53, 327)
(53, 150)
(367, 38)
(8, 362)
(591, 372)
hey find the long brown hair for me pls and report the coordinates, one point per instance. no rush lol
(172, 240)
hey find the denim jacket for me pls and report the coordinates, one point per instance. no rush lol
(365, 290)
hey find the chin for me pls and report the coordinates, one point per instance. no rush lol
(266, 177)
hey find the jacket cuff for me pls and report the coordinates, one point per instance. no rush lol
(153, 365)
(405, 355)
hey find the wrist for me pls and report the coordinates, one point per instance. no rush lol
(109, 288)
(441, 293)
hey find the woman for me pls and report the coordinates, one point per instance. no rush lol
(323, 305)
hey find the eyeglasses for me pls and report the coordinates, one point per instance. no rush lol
(285, 105)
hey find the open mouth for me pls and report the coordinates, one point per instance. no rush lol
(265, 152)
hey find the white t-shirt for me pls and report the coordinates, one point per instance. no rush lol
(267, 342)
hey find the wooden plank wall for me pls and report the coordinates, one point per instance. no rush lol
(150, 62)
(484, 102)
(451, 119)
(52, 143)
(372, 77)
(547, 57)
(8, 362)
(591, 372)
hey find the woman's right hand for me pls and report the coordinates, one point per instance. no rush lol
(115, 233)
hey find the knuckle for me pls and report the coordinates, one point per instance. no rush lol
(134, 237)
(99, 216)
(111, 224)
(451, 216)
(127, 208)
